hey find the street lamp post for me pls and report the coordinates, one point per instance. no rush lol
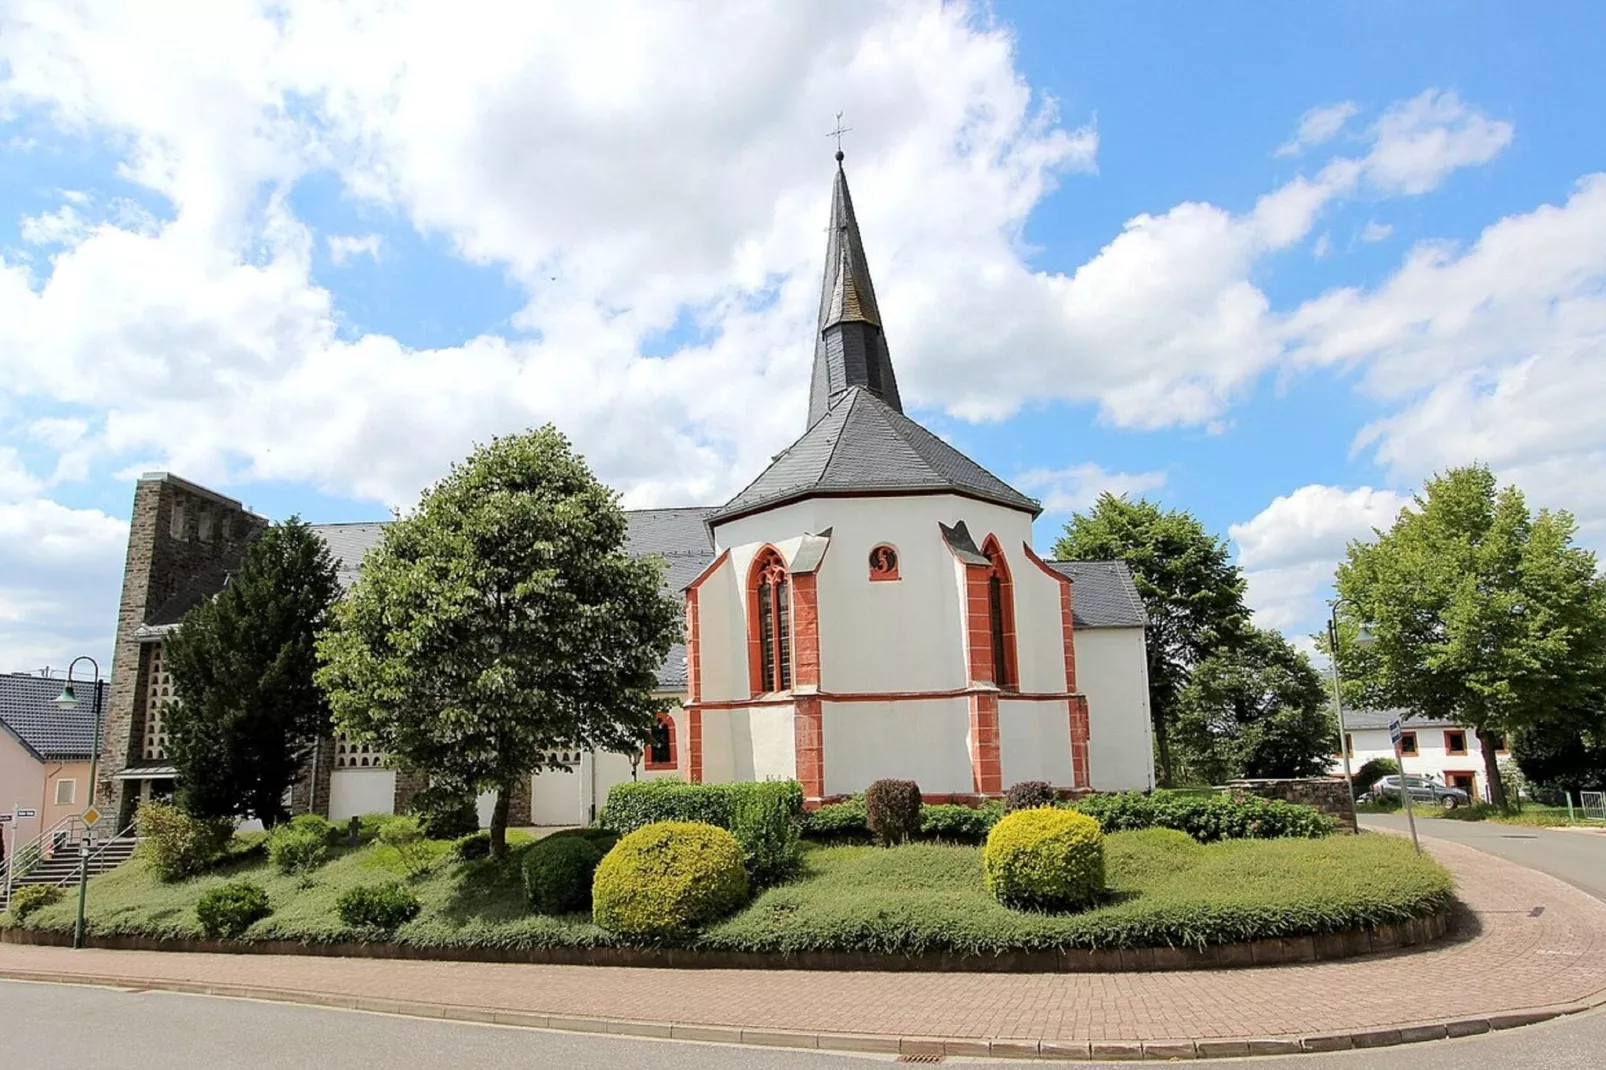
(1363, 640)
(67, 700)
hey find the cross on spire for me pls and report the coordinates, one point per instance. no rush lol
(837, 133)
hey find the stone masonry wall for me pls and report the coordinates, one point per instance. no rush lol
(1330, 795)
(177, 531)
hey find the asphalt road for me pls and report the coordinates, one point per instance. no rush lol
(50, 1026)
(1577, 857)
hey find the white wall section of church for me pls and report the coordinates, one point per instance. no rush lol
(1039, 628)
(1111, 671)
(923, 741)
(556, 795)
(361, 791)
(1034, 741)
(722, 633)
(906, 635)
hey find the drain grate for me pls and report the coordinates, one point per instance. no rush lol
(919, 1059)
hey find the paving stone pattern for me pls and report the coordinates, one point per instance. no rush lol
(1538, 948)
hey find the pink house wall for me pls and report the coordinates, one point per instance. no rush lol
(30, 784)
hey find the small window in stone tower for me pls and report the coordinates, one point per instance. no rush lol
(883, 563)
(203, 524)
(178, 519)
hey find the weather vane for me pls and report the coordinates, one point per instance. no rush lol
(837, 133)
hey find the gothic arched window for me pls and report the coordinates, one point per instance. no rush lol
(1001, 616)
(661, 744)
(769, 598)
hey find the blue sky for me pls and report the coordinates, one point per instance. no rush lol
(309, 259)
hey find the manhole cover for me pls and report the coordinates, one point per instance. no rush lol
(920, 1058)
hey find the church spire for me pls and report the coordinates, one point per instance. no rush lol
(850, 349)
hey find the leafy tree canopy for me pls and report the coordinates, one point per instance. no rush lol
(500, 621)
(1255, 709)
(1192, 592)
(248, 709)
(1483, 613)
(1561, 756)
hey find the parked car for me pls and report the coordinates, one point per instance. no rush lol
(1422, 789)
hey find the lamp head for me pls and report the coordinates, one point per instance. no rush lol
(67, 700)
(1364, 638)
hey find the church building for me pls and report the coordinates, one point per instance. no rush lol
(869, 606)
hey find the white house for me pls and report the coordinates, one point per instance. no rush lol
(1449, 753)
(869, 606)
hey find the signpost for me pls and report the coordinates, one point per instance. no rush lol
(1405, 788)
(26, 813)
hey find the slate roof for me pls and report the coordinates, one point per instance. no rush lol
(1103, 594)
(864, 446)
(29, 712)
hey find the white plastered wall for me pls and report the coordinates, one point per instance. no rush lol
(1432, 759)
(924, 741)
(749, 743)
(1034, 741)
(902, 636)
(1112, 671)
(361, 791)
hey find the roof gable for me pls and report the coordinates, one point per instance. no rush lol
(29, 711)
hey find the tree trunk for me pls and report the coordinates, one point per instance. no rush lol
(1491, 769)
(504, 799)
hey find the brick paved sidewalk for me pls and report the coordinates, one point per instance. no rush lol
(1540, 946)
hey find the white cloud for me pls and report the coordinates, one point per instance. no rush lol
(1375, 231)
(1323, 246)
(1317, 126)
(1422, 140)
(59, 572)
(64, 226)
(342, 247)
(15, 482)
(1066, 490)
(1290, 549)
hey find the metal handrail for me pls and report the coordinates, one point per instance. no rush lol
(104, 845)
(23, 859)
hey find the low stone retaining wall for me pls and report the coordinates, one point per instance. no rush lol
(1375, 940)
(1328, 794)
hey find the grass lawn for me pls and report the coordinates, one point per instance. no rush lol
(1164, 890)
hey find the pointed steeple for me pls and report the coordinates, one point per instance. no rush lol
(850, 349)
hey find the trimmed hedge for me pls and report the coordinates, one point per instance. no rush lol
(378, 906)
(666, 880)
(951, 823)
(1044, 859)
(474, 847)
(228, 910)
(765, 817)
(892, 809)
(843, 821)
(558, 872)
(1207, 818)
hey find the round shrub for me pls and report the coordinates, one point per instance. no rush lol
(177, 844)
(1029, 795)
(892, 810)
(1044, 860)
(378, 906)
(604, 838)
(228, 910)
(558, 874)
(664, 880)
(31, 897)
(301, 846)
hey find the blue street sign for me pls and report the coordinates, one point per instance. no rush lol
(1394, 731)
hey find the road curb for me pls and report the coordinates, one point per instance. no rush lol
(1158, 1049)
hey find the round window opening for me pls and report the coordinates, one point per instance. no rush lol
(883, 563)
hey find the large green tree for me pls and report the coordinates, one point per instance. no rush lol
(247, 708)
(1256, 708)
(1192, 592)
(500, 621)
(1563, 756)
(1483, 613)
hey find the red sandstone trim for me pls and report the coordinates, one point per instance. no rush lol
(1006, 584)
(755, 648)
(986, 769)
(674, 749)
(694, 746)
(805, 630)
(1067, 621)
(808, 726)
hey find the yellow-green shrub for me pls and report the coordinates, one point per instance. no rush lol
(665, 880)
(1044, 860)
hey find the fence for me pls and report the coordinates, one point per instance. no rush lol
(1593, 804)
